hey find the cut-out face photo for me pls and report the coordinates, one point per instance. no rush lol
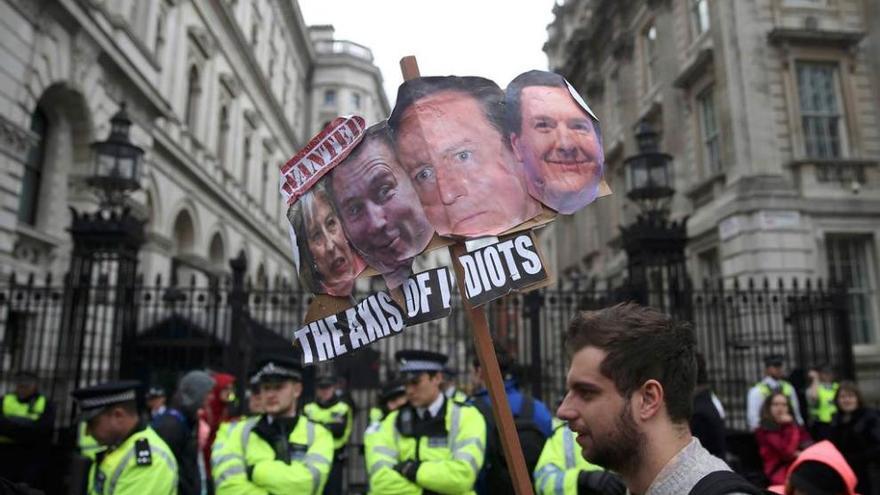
(327, 262)
(558, 142)
(379, 208)
(449, 137)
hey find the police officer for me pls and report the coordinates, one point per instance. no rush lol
(820, 396)
(136, 460)
(156, 400)
(26, 420)
(448, 386)
(278, 451)
(391, 398)
(430, 445)
(336, 415)
(772, 381)
(562, 470)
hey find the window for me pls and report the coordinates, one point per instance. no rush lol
(223, 135)
(709, 131)
(700, 16)
(820, 112)
(709, 266)
(330, 97)
(851, 262)
(33, 170)
(649, 52)
(193, 91)
(356, 101)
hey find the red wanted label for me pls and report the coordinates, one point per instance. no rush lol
(326, 150)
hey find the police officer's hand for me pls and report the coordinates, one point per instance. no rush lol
(408, 469)
(600, 483)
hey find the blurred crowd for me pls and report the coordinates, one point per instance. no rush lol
(639, 416)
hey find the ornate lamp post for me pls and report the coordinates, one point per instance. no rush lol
(104, 260)
(117, 163)
(654, 244)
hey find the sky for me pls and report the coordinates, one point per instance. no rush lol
(491, 38)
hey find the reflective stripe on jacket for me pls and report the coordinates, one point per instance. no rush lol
(125, 471)
(448, 464)
(560, 464)
(239, 449)
(338, 414)
(30, 410)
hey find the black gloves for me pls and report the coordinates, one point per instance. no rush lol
(408, 469)
(600, 483)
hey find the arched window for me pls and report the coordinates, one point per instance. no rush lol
(216, 251)
(33, 170)
(223, 135)
(184, 232)
(193, 92)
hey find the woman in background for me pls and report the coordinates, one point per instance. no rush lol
(855, 431)
(780, 439)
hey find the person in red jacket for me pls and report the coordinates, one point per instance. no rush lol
(820, 469)
(219, 404)
(780, 439)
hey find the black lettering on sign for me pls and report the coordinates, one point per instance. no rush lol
(428, 297)
(492, 271)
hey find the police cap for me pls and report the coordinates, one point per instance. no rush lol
(417, 361)
(278, 369)
(326, 380)
(154, 392)
(773, 360)
(95, 399)
(392, 389)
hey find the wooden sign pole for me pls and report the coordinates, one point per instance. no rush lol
(513, 453)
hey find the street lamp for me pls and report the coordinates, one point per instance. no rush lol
(106, 246)
(117, 163)
(654, 244)
(649, 181)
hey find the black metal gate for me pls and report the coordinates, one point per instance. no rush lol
(224, 326)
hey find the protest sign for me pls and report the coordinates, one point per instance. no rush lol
(379, 207)
(428, 297)
(494, 270)
(556, 137)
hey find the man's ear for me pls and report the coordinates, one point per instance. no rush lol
(437, 379)
(297, 390)
(515, 143)
(651, 400)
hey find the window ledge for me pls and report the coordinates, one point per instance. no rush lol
(701, 192)
(840, 39)
(44, 240)
(842, 170)
(694, 68)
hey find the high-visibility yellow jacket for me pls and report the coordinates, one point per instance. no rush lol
(30, 411)
(450, 459)
(560, 463)
(88, 446)
(824, 408)
(243, 463)
(336, 417)
(143, 463)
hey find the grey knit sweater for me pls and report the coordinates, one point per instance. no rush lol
(685, 469)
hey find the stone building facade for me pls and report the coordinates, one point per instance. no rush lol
(221, 93)
(771, 110)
